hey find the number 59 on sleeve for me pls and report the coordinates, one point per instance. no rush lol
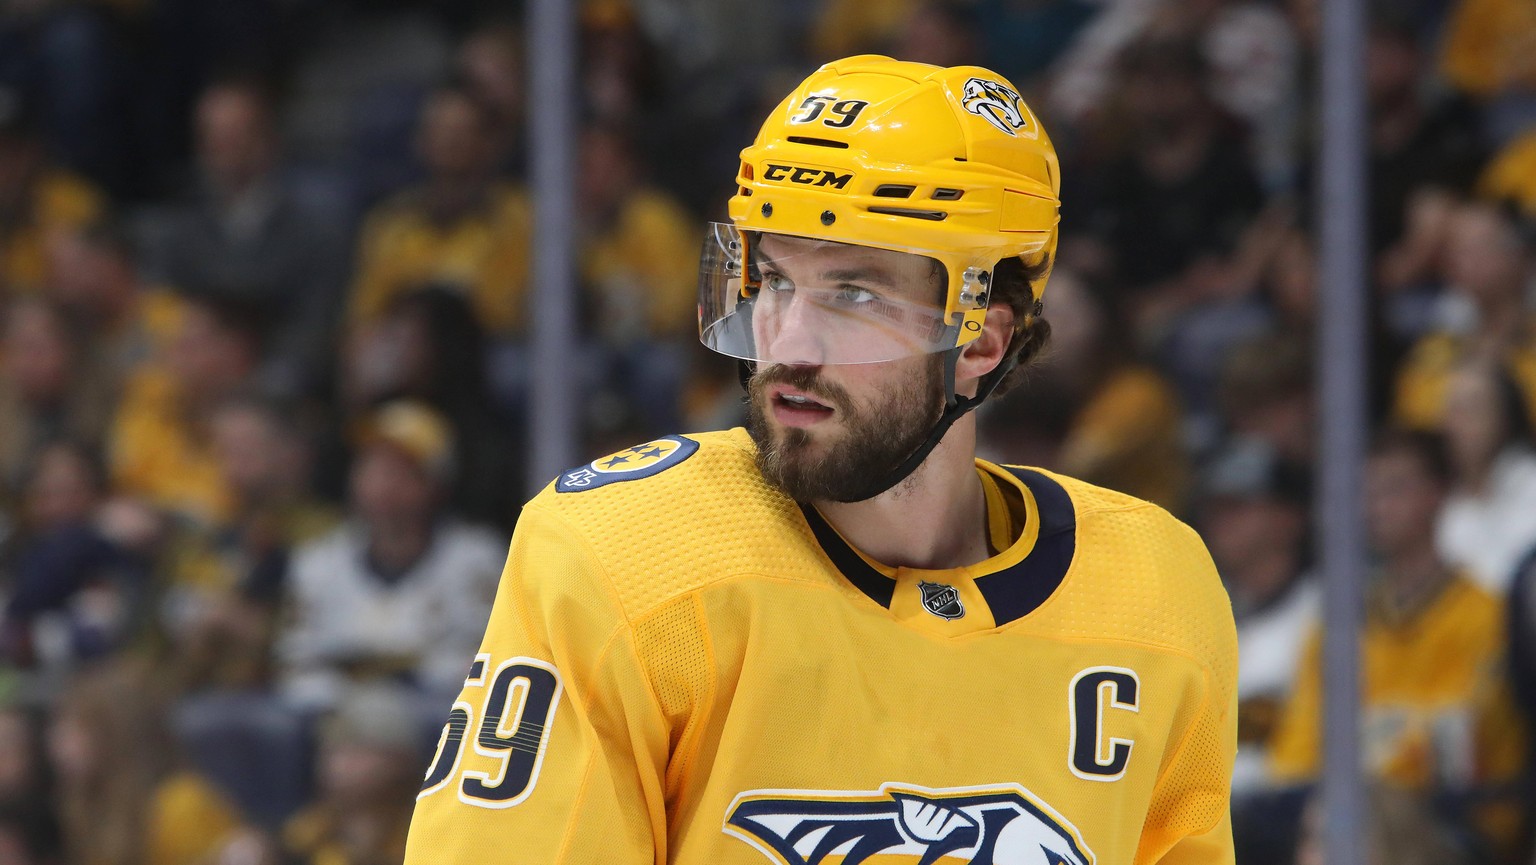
(516, 711)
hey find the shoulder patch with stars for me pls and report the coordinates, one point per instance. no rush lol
(630, 464)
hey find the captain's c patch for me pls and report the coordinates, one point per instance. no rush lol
(630, 464)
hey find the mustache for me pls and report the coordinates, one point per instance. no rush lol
(803, 378)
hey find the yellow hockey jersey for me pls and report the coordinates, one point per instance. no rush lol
(685, 666)
(1451, 723)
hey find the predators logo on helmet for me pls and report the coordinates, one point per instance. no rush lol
(995, 103)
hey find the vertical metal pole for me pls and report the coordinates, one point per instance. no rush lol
(553, 388)
(1341, 199)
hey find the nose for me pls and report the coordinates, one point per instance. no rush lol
(792, 332)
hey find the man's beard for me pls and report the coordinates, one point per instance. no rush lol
(872, 442)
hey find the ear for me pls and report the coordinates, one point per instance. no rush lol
(982, 354)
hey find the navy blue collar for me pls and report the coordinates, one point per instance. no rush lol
(1011, 593)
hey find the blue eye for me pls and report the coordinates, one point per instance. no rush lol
(777, 282)
(856, 295)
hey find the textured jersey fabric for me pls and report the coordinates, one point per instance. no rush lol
(684, 666)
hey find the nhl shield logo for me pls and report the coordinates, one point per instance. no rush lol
(941, 600)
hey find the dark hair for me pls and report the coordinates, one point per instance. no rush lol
(1165, 55)
(1262, 369)
(957, 14)
(1428, 448)
(1018, 283)
(245, 320)
(110, 235)
(36, 827)
(457, 355)
(1514, 407)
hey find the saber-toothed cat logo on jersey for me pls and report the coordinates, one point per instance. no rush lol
(994, 102)
(903, 824)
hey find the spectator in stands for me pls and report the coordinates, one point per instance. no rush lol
(1171, 209)
(368, 770)
(1024, 41)
(29, 827)
(843, 28)
(123, 797)
(121, 320)
(462, 227)
(1267, 400)
(1522, 670)
(1116, 418)
(944, 33)
(159, 445)
(1487, 55)
(1289, 280)
(30, 834)
(428, 346)
(248, 234)
(1265, 293)
(77, 580)
(1510, 174)
(1416, 141)
(35, 198)
(1400, 829)
(1489, 521)
(635, 267)
(24, 773)
(491, 62)
(620, 72)
(1255, 63)
(1436, 721)
(222, 583)
(401, 589)
(1019, 40)
(635, 244)
(1253, 515)
(1249, 49)
(48, 388)
(1485, 267)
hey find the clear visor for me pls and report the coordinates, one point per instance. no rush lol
(774, 298)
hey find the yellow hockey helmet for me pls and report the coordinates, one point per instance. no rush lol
(946, 163)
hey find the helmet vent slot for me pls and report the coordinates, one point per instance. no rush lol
(933, 215)
(945, 194)
(819, 142)
(894, 190)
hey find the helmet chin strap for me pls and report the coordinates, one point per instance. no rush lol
(955, 406)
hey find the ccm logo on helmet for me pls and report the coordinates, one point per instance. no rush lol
(805, 176)
(995, 103)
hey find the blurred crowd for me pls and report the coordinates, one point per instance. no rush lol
(264, 374)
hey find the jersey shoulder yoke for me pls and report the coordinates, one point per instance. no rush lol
(672, 514)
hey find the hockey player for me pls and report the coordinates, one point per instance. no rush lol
(837, 637)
